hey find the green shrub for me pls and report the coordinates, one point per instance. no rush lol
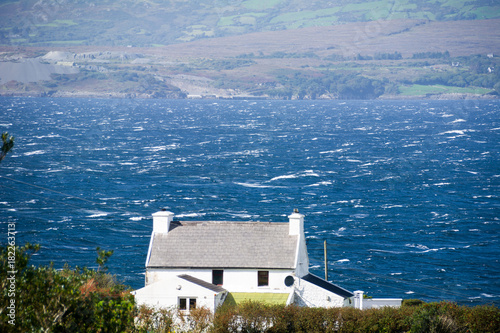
(67, 300)
(483, 318)
(83, 300)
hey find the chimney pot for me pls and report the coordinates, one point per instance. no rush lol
(296, 223)
(161, 221)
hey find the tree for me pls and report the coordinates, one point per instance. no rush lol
(8, 144)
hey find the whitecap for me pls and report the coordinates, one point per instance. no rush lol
(409, 292)
(458, 132)
(343, 260)
(320, 183)
(190, 215)
(47, 136)
(35, 152)
(283, 177)
(387, 206)
(418, 246)
(98, 215)
(332, 151)
(253, 185)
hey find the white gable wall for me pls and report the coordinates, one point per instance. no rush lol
(235, 280)
(166, 294)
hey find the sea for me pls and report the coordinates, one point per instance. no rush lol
(405, 193)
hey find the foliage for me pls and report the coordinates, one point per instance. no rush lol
(8, 144)
(82, 300)
(66, 300)
(153, 320)
(432, 55)
(102, 258)
(198, 320)
(336, 84)
(416, 316)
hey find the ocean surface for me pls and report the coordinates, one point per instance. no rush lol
(406, 193)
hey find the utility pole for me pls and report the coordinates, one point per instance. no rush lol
(326, 264)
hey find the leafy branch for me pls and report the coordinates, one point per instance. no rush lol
(8, 144)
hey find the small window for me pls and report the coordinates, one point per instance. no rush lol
(184, 302)
(192, 303)
(263, 278)
(218, 277)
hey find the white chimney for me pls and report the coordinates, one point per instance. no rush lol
(161, 221)
(358, 299)
(296, 222)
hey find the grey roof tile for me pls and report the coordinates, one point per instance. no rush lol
(224, 245)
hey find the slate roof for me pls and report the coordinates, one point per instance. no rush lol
(327, 285)
(224, 245)
(202, 283)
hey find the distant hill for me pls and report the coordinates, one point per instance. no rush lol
(295, 49)
(155, 22)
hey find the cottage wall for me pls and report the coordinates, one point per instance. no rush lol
(166, 294)
(310, 295)
(235, 280)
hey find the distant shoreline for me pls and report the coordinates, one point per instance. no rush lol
(108, 95)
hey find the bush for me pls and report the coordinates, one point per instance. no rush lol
(50, 300)
(153, 320)
(83, 300)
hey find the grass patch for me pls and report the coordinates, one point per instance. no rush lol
(419, 90)
(261, 4)
(487, 12)
(305, 15)
(266, 298)
(58, 23)
(367, 6)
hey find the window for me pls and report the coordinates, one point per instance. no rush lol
(263, 278)
(184, 302)
(218, 277)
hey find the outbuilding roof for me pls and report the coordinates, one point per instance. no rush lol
(224, 245)
(201, 283)
(327, 285)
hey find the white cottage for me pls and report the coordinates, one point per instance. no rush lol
(205, 263)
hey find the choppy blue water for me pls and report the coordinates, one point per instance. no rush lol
(405, 192)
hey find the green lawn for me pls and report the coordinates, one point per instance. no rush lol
(268, 298)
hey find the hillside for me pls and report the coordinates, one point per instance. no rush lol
(291, 49)
(156, 22)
